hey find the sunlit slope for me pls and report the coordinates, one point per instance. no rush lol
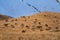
(44, 25)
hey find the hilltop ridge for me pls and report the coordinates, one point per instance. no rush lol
(4, 17)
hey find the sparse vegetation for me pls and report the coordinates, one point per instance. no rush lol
(35, 28)
(5, 24)
(23, 31)
(46, 25)
(22, 25)
(48, 28)
(39, 27)
(12, 26)
(27, 26)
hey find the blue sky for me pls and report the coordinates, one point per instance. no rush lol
(16, 8)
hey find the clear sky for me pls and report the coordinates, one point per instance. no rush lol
(16, 8)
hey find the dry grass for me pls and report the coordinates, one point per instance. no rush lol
(41, 26)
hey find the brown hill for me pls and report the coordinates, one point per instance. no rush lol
(4, 17)
(40, 26)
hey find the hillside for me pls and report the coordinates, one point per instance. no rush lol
(40, 26)
(4, 17)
